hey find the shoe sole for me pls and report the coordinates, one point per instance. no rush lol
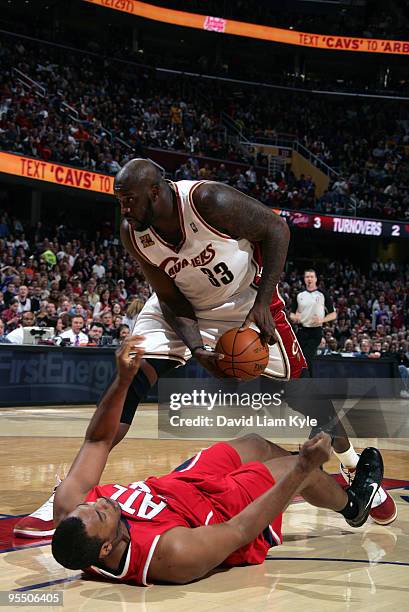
(386, 521)
(32, 534)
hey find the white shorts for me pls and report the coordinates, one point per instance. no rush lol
(163, 343)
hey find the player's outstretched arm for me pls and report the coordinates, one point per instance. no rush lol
(86, 470)
(185, 554)
(239, 215)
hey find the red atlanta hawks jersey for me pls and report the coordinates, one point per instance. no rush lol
(149, 515)
(207, 266)
(209, 488)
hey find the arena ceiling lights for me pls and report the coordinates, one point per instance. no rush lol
(250, 30)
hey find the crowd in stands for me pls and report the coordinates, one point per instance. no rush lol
(367, 143)
(94, 116)
(88, 294)
(281, 189)
(372, 312)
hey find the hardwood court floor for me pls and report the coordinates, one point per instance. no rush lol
(323, 562)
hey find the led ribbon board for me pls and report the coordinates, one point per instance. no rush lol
(251, 30)
(51, 172)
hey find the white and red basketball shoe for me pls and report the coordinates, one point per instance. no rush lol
(38, 524)
(383, 510)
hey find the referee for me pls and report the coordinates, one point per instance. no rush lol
(310, 309)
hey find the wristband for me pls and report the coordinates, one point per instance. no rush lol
(192, 350)
(204, 347)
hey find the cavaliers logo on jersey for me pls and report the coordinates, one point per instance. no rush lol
(146, 241)
(173, 265)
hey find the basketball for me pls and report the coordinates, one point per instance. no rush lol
(245, 356)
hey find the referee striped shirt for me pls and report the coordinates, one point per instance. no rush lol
(310, 303)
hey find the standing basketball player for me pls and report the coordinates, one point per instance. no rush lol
(222, 506)
(214, 257)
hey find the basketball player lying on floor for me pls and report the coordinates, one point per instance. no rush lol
(222, 507)
(214, 257)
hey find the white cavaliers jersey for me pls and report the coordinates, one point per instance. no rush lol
(207, 266)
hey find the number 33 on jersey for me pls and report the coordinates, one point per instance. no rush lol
(207, 266)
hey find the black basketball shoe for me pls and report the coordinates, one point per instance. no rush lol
(368, 477)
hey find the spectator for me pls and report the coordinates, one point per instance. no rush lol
(9, 293)
(104, 303)
(17, 335)
(59, 327)
(98, 269)
(365, 350)
(117, 310)
(36, 299)
(403, 364)
(91, 295)
(3, 339)
(107, 322)
(75, 335)
(348, 350)
(24, 302)
(132, 312)
(122, 290)
(122, 333)
(117, 321)
(49, 257)
(2, 303)
(50, 318)
(251, 177)
(95, 333)
(10, 316)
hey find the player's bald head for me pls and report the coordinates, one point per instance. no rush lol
(138, 173)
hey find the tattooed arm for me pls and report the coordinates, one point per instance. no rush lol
(239, 215)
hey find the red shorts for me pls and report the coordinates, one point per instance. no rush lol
(228, 486)
(290, 349)
(292, 354)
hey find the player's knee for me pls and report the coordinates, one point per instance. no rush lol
(254, 447)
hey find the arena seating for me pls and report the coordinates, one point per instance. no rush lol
(66, 276)
(110, 116)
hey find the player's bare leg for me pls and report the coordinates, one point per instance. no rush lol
(318, 489)
(321, 490)
(253, 447)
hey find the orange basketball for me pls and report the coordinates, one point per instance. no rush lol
(245, 356)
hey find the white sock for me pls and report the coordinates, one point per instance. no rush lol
(348, 458)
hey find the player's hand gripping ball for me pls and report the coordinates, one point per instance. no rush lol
(245, 356)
